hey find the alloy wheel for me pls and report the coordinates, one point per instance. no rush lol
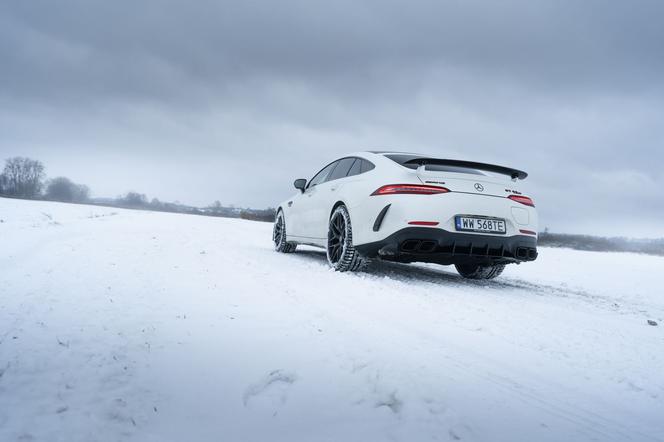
(336, 238)
(278, 232)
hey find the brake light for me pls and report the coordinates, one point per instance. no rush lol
(412, 189)
(522, 199)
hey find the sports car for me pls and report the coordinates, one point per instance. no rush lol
(407, 207)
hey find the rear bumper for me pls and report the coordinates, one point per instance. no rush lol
(423, 244)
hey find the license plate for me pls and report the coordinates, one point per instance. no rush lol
(480, 224)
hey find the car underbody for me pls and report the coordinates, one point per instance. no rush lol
(422, 244)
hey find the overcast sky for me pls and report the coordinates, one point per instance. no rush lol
(202, 100)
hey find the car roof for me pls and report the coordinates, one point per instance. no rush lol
(399, 152)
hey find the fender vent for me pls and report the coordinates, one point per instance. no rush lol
(379, 219)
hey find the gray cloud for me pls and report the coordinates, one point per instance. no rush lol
(207, 100)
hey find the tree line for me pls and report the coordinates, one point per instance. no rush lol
(26, 178)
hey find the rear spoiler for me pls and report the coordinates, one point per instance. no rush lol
(513, 173)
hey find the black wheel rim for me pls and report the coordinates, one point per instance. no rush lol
(336, 238)
(278, 230)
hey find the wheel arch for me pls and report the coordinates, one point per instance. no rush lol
(337, 204)
(286, 218)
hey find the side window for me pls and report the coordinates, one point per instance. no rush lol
(367, 166)
(341, 170)
(356, 168)
(321, 176)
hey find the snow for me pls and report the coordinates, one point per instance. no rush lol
(144, 326)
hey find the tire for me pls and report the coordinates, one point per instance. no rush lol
(341, 254)
(480, 271)
(279, 235)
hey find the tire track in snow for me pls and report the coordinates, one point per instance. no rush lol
(587, 422)
(274, 377)
(426, 274)
(535, 394)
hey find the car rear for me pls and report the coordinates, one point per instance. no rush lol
(450, 212)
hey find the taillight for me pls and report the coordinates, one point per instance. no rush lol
(412, 189)
(522, 199)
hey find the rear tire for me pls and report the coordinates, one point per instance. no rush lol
(279, 235)
(480, 271)
(341, 254)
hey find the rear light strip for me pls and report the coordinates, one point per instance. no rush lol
(528, 232)
(411, 189)
(522, 199)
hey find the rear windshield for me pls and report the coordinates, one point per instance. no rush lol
(402, 159)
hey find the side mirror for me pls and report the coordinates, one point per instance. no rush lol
(300, 184)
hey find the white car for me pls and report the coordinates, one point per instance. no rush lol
(410, 208)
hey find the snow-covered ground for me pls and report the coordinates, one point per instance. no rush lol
(130, 325)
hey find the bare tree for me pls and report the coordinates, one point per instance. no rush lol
(83, 193)
(3, 184)
(156, 204)
(134, 199)
(22, 177)
(216, 206)
(63, 189)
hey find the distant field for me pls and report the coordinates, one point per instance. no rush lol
(599, 244)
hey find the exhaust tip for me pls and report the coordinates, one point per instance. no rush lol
(410, 245)
(428, 246)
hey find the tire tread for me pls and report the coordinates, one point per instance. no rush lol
(283, 246)
(351, 260)
(480, 271)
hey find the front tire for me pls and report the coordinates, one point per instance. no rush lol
(480, 271)
(341, 254)
(279, 235)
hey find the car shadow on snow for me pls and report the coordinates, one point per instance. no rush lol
(416, 274)
(412, 273)
(437, 274)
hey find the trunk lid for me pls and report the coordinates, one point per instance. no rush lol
(462, 176)
(472, 183)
